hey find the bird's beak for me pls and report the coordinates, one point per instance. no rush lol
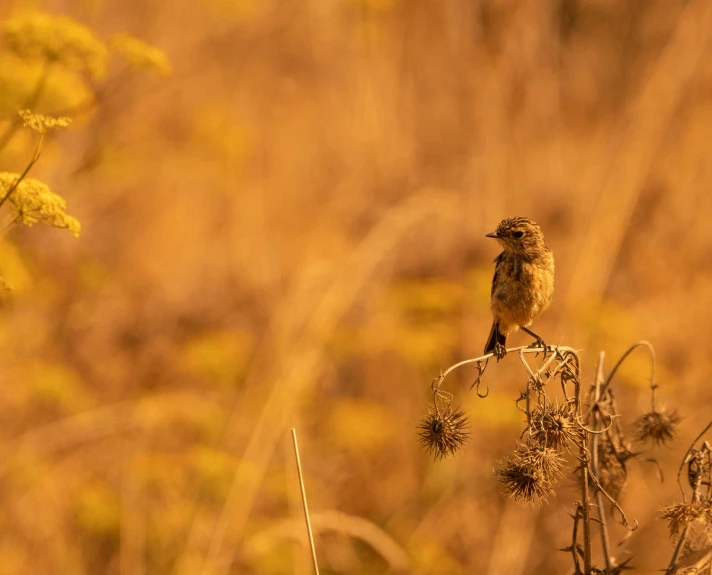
(492, 235)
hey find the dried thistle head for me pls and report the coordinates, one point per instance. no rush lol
(555, 426)
(683, 514)
(530, 472)
(443, 431)
(613, 474)
(657, 426)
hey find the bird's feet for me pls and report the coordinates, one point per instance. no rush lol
(499, 351)
(538, 342)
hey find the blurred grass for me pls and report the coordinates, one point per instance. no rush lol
(290, 229)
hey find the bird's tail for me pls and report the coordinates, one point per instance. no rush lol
(494, 338)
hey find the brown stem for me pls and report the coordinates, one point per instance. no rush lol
(605, 542)
(641, 343)
(574, 540)
(585, 514)
(684, 459)
(585, 506)
(683, 537)
(695, 498)
(521, 349)
(678, 550)
(616, 505)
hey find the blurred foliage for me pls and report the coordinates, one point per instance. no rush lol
(55, 39)
(232, 164)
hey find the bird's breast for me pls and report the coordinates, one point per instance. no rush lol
(523, 289)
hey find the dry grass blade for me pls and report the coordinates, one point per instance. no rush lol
(304, 502)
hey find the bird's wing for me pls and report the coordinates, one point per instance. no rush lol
(497, 262)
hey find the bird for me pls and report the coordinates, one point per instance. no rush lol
(523, 282)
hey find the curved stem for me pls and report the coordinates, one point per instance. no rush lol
(641, 343)
(521, 349)
(624, 519)
(684, 459)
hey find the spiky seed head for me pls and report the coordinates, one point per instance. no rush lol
(443, 431)
(530, 473)
(683, 514)
(658, 426)
(555, 426)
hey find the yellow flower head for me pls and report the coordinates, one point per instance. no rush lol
(41, 123)
(34, 202)
(141, 55)
(56, 39)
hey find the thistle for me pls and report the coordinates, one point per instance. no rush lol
(657, 426)
(680, 515)
(443, 431)
(555, 427)
(531, 472)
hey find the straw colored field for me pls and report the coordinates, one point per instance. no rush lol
(283, 226)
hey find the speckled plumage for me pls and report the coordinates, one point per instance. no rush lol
(523, 282)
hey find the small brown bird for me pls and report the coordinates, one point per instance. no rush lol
(523, 281)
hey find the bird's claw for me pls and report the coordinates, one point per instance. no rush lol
(540, 343)
(499, 351)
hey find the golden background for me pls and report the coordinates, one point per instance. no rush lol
(288, 231)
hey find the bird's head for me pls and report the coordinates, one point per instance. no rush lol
(519, 235)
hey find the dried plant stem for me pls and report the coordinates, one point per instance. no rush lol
(642, 343)
(574, 540)
(521, 349)
(684, 459)
(304, 501)
(678, 549)
(585, 512)
(479, 361)
(585, 458)
(575, 423)
(673, 567)
(605, 542)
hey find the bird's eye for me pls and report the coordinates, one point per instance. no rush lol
(519, 235)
